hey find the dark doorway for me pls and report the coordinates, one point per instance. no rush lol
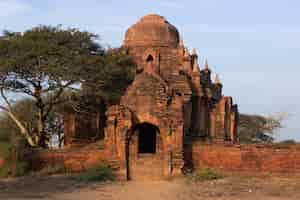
(149, 58)
(147, 138)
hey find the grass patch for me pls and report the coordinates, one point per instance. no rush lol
(206, 175)
(102, 172)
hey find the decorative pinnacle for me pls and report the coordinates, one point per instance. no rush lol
(217, 79)
(194, 51)
(196, 68)
(186, 52)
(206, 67)
(181, 42)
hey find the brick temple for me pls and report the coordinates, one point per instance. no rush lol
(172, 102)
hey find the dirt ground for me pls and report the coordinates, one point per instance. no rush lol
(232, 187)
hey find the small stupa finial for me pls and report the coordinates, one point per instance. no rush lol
(196, 68)
(194, 52)
(181, 44)
(206, 67)
(186, 52)
(217, 79)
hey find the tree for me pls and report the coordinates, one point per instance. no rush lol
(258, 128)
(44, 61)
(109, 82)
(25, 110)
(289, 141)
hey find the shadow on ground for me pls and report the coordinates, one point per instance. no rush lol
(34, 187)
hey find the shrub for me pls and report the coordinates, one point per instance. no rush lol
(6, 150)
(103, 172)
(205, 175)
(5, 153)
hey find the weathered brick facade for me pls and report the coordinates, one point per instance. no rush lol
(170, 99)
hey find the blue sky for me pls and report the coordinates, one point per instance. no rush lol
(254, 45)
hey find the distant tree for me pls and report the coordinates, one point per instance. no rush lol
(258, 128)
(290, 141)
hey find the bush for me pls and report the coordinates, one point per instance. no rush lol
(205, 175)
(6, 150)
(5, 153)
(102, 172)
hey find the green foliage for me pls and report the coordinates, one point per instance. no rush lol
(5, 170)
(46, 60)
(22, 168)
(102, 172)
(25, 111)
(110, 81)
(5, 153)
(7, 128)
(205, 174)
(50, 51)
(5, 149)
(4, 129)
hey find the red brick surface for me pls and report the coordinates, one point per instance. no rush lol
(74, 160)
(249, 158)
(252, 158)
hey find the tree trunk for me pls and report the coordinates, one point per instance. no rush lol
(23, 130)
(42, 133)
(44, 139)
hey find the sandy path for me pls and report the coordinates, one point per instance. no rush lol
(232, 188)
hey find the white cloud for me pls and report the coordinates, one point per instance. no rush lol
(12, 7)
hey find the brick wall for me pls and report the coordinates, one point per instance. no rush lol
(252, 158)
(249, 158)
(74, 160)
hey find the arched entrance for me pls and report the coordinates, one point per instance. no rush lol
(144, 153)
(147, 134)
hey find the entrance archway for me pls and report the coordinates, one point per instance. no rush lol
(144, 153)
(147, 134)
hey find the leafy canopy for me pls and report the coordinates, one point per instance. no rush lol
(45, 61)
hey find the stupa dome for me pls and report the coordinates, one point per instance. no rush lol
(152, 30)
